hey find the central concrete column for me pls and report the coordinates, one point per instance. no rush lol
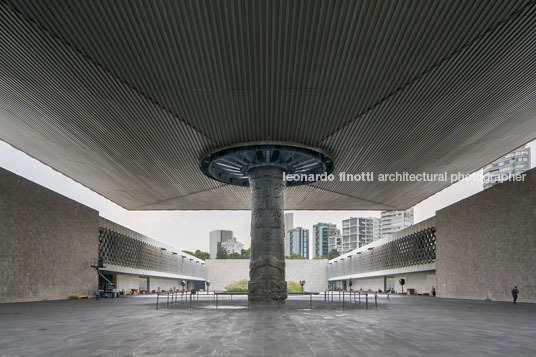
(267, 265)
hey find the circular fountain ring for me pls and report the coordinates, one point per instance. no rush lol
(231, 164)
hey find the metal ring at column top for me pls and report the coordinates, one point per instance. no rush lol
(231, 164)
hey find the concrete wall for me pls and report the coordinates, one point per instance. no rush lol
(421, 282)
(222, 272)
(486, 244)
(47, 243)
(127, 282)
(314, 272)
(131, 281)
(164, 284)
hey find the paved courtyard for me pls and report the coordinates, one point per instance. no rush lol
(401, 326)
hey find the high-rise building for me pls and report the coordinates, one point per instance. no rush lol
(357, 232)
(289, 221)
(335, 242)
(394, 221)
(232, 246)
(297, 241)
(512, 164)
(216, 238)
(321, 235)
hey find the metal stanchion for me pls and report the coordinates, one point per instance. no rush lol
(216, 301)
(376, 300)
(360, 298)
(190, 300)
(366, 300)
(311, 301)
(157, 296)
(167, 300)
(343, 300)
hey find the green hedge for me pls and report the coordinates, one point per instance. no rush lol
(293, 287)
(241, 286)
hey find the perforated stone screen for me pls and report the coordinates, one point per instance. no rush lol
(119, 249)
(413, 249)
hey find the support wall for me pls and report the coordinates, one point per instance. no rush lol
(47, 243)
(486, 244)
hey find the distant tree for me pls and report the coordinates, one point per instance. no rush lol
(334, 253)
(198, 254)
(222, 253)
(296, 256)
(233, 256)
(202, 255)
(245, 253)
(320, 257)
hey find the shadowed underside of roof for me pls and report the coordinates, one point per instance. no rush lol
(125, 96)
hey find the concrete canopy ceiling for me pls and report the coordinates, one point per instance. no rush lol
(125, 96)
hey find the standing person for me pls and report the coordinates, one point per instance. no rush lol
(515, 292)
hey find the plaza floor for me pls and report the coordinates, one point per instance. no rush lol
(400, 326)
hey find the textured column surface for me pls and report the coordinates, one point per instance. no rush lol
(267, 266)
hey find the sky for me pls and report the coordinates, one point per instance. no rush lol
(189, 230)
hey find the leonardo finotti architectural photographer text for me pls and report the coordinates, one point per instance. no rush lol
(401, 177)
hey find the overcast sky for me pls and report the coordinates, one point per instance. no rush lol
(189, 230)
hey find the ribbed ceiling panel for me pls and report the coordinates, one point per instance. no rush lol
(62, 110)
(124, 96)
(457, 118)
(277, 70)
